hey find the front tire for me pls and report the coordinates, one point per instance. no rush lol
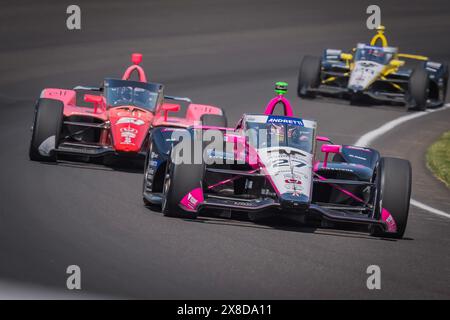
(418, 89)
(445, 80)
(145, 184)
(309, 76)
(394, 193)
(47, 125)
(180, 179)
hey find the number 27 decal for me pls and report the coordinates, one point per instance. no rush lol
(285, 162)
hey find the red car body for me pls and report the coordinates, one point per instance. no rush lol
(102, 127)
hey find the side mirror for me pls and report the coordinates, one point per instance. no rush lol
(397, 63)
(92, 99)
(96, 100)
(330, 148)
(346, 56)
(323, 139)
(169, 107)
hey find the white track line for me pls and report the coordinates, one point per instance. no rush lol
(429, 209)
(370, 136)
(366, 139)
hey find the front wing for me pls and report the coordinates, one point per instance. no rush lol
(334, 214)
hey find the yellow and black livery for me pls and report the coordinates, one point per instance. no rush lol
(377, 71)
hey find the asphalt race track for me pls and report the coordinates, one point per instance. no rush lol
(227, 53)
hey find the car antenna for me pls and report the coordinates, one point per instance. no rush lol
(280, 90)
(136, 59)
(379, 36)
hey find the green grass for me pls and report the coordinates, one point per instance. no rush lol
(438, 158)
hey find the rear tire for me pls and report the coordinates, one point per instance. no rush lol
(418, 89)
(48, 121)
(308, 76)
(394, 193)
(179, 180)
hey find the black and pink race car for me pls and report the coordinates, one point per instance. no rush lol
(268, 165)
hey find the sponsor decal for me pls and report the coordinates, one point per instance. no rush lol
(357, 157)
(285, 120)
(135, 121)
(293, 181)
(123, 113)
(242, 204)
(154, 163)
(267, 192)
(358, 148)
(192, 201)
(336, 169)
(172, 130)
(390, 222)
(128, 134)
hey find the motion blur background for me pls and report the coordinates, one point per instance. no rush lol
(225, 53)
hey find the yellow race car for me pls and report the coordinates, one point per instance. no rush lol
(375, 71)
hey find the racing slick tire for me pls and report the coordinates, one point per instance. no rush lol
(445, 80)
(180, 179)
(47, 125)
(214, 120)
(394, 192)
(145, 180)
(308, 76)
(418, 90)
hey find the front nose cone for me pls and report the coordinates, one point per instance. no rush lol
(294, 201)
(355, 88)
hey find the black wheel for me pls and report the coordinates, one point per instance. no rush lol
(394, 192)
(214, 120)
(308, 76)
(145, 180)
(418, 89)
(47, 125)
(445, 78)
(179, 181)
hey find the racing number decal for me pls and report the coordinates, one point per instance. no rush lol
(285, 163)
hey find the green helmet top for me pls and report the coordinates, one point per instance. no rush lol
(281, 87)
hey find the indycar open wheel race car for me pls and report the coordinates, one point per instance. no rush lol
(268, 165)
(375, 71)
(116, 120)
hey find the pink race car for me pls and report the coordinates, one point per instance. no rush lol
(271, 165)
(115, 119)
